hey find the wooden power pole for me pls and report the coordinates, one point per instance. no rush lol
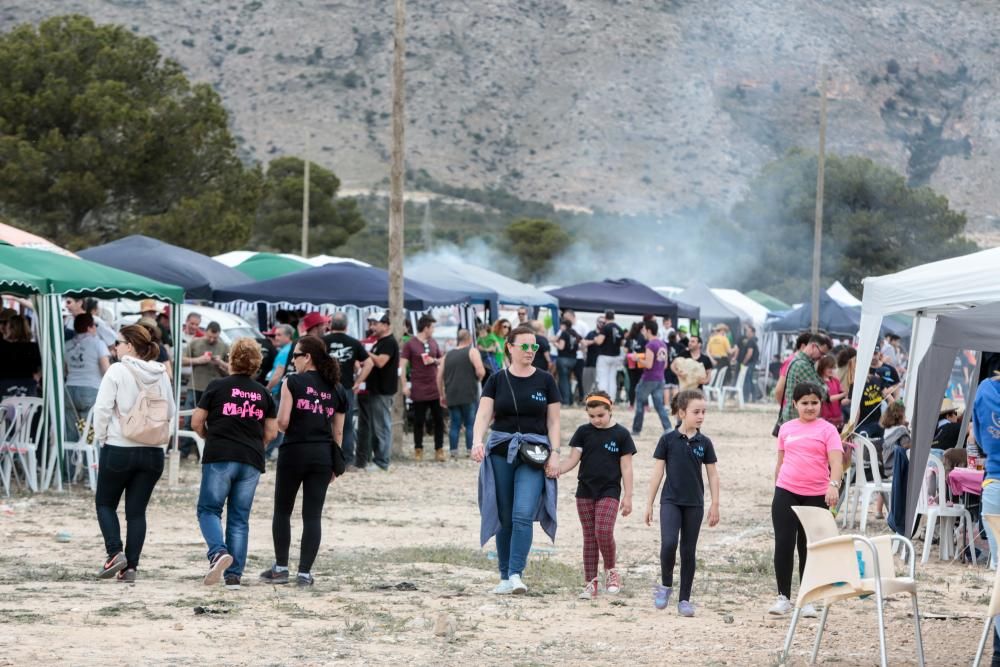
(396, 210)
(818, 233)
(305, 208)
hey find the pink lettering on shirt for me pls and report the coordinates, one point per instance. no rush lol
(246, 411)
(247, 395)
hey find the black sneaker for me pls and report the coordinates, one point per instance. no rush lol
(272, 576)
(304, 580)
(217, 566)
(112, 566)
(126, 576)
(232, 581)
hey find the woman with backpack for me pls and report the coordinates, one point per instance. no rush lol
(132, 417)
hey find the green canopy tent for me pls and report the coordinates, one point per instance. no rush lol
(772, 303)
(267, 265)
(46, 277)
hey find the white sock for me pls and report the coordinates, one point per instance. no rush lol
(281, 568)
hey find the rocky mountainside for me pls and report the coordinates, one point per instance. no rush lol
(627, 105)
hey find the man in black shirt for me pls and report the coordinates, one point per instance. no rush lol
(382, 385)
(590, 357)
(609, 351)
(694, 351)
(748, 354)
(354, 362)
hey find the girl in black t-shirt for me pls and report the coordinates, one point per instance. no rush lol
(311, 413)
(604, 451)
(681, 454)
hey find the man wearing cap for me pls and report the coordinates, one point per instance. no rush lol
(949, 426)
(422, 355)
(355, 365)
(314, 324)
(363, 453)
(382, 384)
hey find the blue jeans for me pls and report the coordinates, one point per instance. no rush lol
(461, 415)
(643, 391)
(352, 409)
(236, 483)
(565, 366)
(991, 505)
(519, 490)
(82, 399)
(381, 416)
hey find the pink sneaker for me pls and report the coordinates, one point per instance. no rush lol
(612, 581)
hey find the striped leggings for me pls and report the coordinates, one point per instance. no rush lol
(597, 517)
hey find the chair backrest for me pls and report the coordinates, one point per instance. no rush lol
(741, 378)
(866, 449)
(87, 438)
(935, 489)
(831, 571)
(28, 428)
(993, 521)
(719, 378)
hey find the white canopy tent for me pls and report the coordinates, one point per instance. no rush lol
(755, 312)
(236, 257)
(840, 294)
(925, 292)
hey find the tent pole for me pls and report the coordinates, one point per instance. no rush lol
(174, 460)
(970, 397)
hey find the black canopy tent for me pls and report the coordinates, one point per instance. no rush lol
(196, 273)
(834, 318)
(624, 296)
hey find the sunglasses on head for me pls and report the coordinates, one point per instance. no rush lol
(525, 347)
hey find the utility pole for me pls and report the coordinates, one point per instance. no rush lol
(427, 228)
(305, 206)
(396, 210)
(818, 232)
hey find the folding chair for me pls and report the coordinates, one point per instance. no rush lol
(84, 451)
(834, 572)
(713, 390)
(736, 390)
(933, 502)
(27, 436)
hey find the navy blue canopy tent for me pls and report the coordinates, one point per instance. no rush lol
(834, 318)
(342, 284)
(196, 273)
(624, 296)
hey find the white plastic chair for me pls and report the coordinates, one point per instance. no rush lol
(198, 440)
(832, 574)
(8, 450)
(86, 447)
(994, 609)
(713, 390)
(861, 491)
(933, 503)
(28, 434)
(736, 390)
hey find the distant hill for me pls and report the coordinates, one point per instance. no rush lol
(627, 105)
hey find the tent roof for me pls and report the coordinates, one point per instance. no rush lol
(755, 312)
(772, 303)
(70, 275)
(841, 295)
(625, 296)
(507, 290)
(447, 277)
(20, 238)
(834, 318)
(322, 260)
(713, 309)
(196, 273)
(266, 265)
(344, 284)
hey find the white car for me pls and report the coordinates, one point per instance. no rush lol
(233, 326)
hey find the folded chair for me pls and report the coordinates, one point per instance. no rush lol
(834, 572)
(993, 520)
(861, 492)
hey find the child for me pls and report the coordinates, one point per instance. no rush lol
(897, 433)
(826, 368)
(808, 472)
(682, 504)
(604, 451)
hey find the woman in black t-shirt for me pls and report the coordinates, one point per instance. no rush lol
(236, 416)
(522, 402)
(311, 414)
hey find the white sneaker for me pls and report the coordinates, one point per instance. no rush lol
(808, 611)
(781, 606)
(517, 585)
(503, 588)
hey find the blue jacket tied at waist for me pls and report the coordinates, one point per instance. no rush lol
(545, 513)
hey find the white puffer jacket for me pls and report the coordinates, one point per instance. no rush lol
(119, 389)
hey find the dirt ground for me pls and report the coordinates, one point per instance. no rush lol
(401, 578)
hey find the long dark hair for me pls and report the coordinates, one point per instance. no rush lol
(327, 366)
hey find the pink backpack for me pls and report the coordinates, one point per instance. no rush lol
(148, 422)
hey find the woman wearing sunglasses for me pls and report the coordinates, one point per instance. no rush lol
(521, 404)
(126, 465)
(311, 414)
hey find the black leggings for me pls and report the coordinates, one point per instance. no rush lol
(314, 479)
(685, 521)
(420, 409)
(133, 471)
(789, 536)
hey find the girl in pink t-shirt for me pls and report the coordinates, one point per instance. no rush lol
(808, 472)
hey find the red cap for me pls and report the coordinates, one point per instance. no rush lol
(314, 319)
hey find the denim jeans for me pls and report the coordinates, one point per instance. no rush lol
(519, 490)
(82, 399)
(991, 505)
(643, 391)
(231, 484)
(565, 366)
(133, 471)
(461, 415)
(381, 416)
(349, 434)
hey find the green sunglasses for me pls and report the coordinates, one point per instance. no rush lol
(528, 346)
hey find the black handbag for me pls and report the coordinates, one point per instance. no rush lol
(534, 454)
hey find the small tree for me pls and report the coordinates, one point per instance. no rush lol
(332, 220)
(535, 243)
